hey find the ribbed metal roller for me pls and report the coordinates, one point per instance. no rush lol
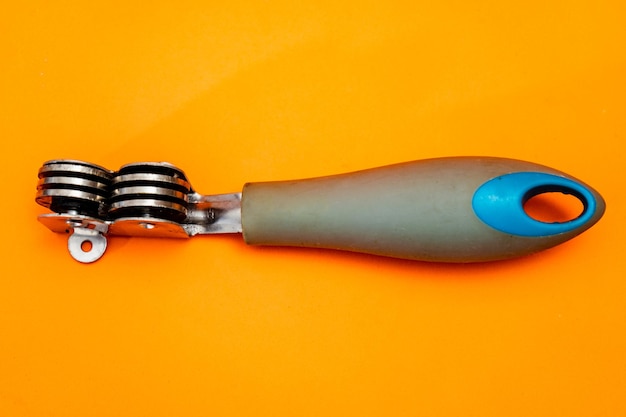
(69, 186)
(157, 190)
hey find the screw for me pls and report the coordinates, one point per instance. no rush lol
(147, 226)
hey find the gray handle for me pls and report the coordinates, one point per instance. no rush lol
(432, 210)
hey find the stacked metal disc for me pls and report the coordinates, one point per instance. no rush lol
(157, 190)
(76, 187)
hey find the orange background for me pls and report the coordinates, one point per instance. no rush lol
(249, 91)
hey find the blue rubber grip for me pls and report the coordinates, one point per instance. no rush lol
(499, 203)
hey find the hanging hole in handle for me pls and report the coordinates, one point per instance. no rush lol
(554, 204)
(500, 203)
